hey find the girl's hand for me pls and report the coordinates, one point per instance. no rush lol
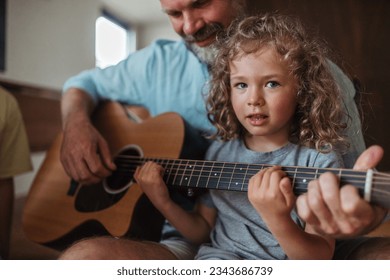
(270, 192)
(150, 178)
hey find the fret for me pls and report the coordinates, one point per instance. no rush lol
(184, 175)
(226, 171)
(301, 175)
(215, 175)
(229, 173)
(351, 177)
(229, 167)
(245, 180)
(232, 179)
(239, 181)
(178, 173)
(294, 177)
(168, 177)
(175, 173)
(200, 175)
(205, 174)
(195, 173)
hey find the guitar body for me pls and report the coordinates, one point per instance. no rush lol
(58, 211)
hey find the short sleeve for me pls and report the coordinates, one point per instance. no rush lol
(14, 147)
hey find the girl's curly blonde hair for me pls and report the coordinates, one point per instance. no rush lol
(318, 120)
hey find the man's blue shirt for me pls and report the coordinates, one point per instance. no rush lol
(163, 77)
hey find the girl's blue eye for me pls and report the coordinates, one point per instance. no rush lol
(272, 84)
(241, 85)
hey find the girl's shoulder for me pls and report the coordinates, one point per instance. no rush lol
(315, 158)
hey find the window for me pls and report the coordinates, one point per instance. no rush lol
(114, 41)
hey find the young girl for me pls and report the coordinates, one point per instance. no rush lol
(273, 101)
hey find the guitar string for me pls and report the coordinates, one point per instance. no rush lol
(358, 183)
(190, 167)
(355, 173)
(298, 188)
(179, 165)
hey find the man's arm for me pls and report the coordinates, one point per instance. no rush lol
(84, 153)
(341, 212)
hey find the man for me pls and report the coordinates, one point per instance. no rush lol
(14, 159)
(172, 76)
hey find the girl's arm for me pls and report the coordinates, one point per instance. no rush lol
(299, 244)
(270, 193)
(195, 226)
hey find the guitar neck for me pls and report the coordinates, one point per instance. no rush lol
(230, 176)
(235, 176)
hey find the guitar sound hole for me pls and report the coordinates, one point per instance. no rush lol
(126, 162)
(100, 196)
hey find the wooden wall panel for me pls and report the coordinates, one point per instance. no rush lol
(358, 32)
(40, 108)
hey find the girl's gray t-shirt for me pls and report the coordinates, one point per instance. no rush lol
(239, 232)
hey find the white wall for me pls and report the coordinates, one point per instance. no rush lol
(51, 40)
(151, 31)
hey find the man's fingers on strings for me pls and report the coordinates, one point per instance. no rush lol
(106, 155)
(304, 210)
(352, 204)
(320, 209)
(330, 190)
(96, 166)
(358, 212)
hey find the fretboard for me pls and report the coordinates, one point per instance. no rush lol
(230, 176)
(235, 176)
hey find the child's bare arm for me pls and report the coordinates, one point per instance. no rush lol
(271, 193)
(195, 226)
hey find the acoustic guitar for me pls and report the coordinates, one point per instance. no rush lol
(56, 207)
(59, 211)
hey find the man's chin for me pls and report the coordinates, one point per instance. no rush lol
(205, 54)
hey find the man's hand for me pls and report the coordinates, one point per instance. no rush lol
(341, 212)
(85, 155)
